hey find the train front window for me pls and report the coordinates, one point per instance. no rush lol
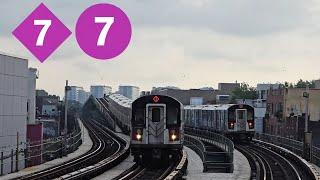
(156, 112)
(139, 116)
(250, 115)
(172, 116)
(231, 116)
(241, 114)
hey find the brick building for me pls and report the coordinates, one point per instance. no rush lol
(286, 110)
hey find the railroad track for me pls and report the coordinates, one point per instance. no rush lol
(106, 152)
(174, 170)
(268, 164)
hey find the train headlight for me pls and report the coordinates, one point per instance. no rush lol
(137, 135)
(250, 124)
(231, 125)
(174, 135)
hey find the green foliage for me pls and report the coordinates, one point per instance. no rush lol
(288, 85)
(244, 92)
(304, 84)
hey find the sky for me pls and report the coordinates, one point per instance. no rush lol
(184, 43)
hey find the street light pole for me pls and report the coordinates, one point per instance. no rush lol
(66, 108)
(306, 96)
(66, 89)
(307, 142)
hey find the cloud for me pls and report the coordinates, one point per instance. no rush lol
(183, 43)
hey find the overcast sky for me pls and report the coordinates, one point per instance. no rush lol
(184, 43)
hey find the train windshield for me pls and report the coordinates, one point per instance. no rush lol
(241, 114)
(172, 116)
(156, 114)
(139, 116)
(231, 116)
(250, 115)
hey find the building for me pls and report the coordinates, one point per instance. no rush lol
(46, 104)
(223, 99)
(145, 93)
(41, 92)
(73, 93)
(31, 104)
(186, 97)
(100, 91)
(263, 91)
(83, 96)
(317, 84)
(195, 96)
(131, 92)
(286, 112)
(16, 106)
(228, 87)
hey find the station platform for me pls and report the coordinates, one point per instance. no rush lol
(83, 148)
(241, 171)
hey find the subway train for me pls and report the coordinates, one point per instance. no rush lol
(235, 121)
(156, 125)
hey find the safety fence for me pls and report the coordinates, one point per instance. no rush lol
(33, 153)
(290, 144)
(218, 159)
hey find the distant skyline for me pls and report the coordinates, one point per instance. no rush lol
(183, 43)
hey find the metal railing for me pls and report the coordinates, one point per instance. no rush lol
(290, 144)
(211, 159)
(218, 140)
(196, 145)
(37, 152)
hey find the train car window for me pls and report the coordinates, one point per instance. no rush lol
(231, 115)
(139, 116)
(240, 114)
(172, 115)
(156, 113)
(250, 115)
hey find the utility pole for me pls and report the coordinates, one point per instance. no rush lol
(307, 142)
(66, 89)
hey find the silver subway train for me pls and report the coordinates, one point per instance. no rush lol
(236, 121)
(156, 125)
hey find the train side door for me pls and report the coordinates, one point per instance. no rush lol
(241, 115)
(156, 123)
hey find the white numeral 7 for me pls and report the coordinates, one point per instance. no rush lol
(46, 24)
(103, 34)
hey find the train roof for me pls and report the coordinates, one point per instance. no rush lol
(210, 107)
(121, 100)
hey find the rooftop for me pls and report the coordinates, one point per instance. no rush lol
(122, 100)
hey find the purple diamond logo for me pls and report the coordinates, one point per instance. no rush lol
(41, 32)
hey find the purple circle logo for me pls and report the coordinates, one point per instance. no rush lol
(103, 31)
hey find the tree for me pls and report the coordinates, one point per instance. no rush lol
(303, 84)
(244, 92)
(288, 85)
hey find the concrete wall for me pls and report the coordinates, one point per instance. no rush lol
(13, 105)
(32, 76)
